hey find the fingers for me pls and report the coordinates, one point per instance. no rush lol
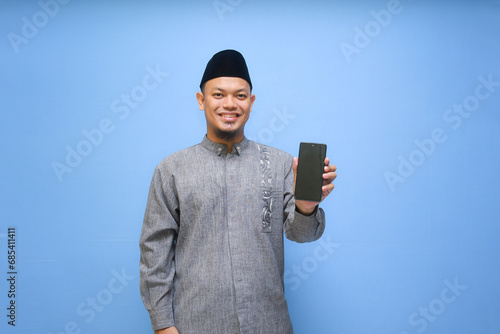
(330, 168)
(328, 177)
(329, 174)
(327, 188)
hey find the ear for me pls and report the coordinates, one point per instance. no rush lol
(252, 100)
(201, 100)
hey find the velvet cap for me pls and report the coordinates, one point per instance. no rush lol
(226, 63)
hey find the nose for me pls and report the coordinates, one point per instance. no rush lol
(229, 103)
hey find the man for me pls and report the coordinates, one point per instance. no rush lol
(212, 237)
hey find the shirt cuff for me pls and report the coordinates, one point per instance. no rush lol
(161, 319)
(308, 228)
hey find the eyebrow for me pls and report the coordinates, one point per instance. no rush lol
(223, 90)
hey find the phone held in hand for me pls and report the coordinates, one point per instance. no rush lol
(310, 172)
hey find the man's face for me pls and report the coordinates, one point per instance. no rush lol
(227, 103)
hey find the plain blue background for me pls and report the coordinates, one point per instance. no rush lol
(416, 254)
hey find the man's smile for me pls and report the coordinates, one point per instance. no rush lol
(229, 116)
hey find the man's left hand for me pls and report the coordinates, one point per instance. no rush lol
(307, 207)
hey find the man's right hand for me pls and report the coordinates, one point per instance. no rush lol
(169, 330)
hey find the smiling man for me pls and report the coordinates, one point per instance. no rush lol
(212, 238)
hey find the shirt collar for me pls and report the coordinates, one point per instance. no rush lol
(220, 149)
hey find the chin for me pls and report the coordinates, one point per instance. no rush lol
(226, 135)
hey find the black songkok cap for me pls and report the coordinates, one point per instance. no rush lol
(227, 63)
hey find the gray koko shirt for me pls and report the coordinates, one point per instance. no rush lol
(212, 239)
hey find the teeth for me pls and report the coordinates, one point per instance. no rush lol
(228, 116)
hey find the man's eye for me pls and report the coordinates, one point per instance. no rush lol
(242, 96)
(217, 95)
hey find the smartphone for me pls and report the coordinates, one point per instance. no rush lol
(310, 172)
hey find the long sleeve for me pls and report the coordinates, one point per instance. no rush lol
(157, 245)
(298, 227)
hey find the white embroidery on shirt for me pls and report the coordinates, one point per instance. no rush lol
(266, 183)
